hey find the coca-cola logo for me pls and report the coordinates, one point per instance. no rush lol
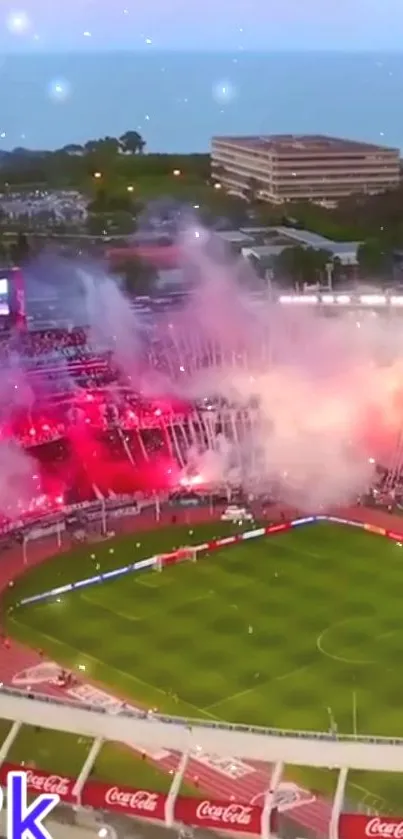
(140, 800)
(224, 813)
(53, 784)
(384, 829)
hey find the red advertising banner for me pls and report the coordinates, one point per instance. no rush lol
(208, 813)
(145, 804)
(397, 536)
(220, 815)
(226, 540)
(42, 782)
(126, 800)
(277, 528)
(354, 826)
(371, 528)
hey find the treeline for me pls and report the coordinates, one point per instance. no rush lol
(373, 221)
(74, 165)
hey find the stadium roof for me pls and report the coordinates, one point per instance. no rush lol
(234, 237)
(264, 251)
(305, 237)
(314, 240)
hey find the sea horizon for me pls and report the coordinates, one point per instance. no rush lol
(178, 100)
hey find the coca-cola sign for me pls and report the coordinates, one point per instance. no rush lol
(354, 826)
(54, 784)
(224, 813)
(139, 800)
(39, 781)
(132, 802)
(207, 813)
(221, 815)
(379, 827)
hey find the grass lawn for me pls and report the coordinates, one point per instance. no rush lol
(283, 632)
(188, 188)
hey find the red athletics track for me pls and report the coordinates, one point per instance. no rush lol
(231, 778)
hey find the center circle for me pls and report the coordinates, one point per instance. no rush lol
(321, 645)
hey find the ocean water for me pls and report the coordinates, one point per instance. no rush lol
(179, 100)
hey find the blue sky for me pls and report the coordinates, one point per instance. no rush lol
(54, 25)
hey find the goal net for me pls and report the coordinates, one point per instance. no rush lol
(181, 555)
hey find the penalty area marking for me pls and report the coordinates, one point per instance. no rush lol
(256, 687)
(129, 676)
(359, 662)
(147, 583)
(124, 615)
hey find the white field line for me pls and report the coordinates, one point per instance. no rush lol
(129, 676)
(102, 606)
(258, 685)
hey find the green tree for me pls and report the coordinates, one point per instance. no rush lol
(289, 265)
(252, 190)
(106, 201)
(321, 260)
(131, 142)
(108, 146)
(72, 148)
(138, 277)
(101, 155)
(91, 146)
(337, 270)
(373, 259)
(302, 265)
(20, 250)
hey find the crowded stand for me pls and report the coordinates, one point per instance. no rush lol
(41, 206)
(36, 348)
(88, 435)
(56, 360)
(89, 431)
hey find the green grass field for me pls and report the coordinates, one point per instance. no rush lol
(188, 187)
(289, 631)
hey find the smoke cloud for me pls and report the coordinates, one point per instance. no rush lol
(20, 482)
(300, 403)
(281, 399)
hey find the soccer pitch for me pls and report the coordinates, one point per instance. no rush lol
(303, 629)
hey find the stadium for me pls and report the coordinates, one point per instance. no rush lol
(201, 537)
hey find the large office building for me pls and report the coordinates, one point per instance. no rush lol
(290, 167)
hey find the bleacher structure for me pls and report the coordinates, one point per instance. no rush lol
(279, 747)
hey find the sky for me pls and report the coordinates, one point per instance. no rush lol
(94, 25)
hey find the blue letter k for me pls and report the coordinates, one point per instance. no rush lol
(23, 821)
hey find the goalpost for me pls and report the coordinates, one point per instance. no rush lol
(181, 555)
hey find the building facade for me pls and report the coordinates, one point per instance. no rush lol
(282, 168)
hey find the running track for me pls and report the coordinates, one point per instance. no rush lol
(308, 811)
